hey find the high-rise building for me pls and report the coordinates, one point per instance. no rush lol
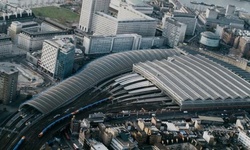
(89, 7)
(8, 84)
(6, 45)
(174, 32)
(58, 57)
(96, 19)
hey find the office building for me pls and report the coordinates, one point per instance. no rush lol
(89, 7)
(58, 57)
(140, 6)
(212, 19)
(16, 27)
(31, 39)
(244, 139)
(187, 18)
(6, 45)
(119, 43)
(8, 84)
(96, 19)
(230, 10)
(211, 13)
(174, 32)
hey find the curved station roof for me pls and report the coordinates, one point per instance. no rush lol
(94, 73)
(195, 81)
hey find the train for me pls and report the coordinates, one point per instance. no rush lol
(20, 142)
(71, 114)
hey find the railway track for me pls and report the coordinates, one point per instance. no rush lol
(33, 142)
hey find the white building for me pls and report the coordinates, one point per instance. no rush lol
(58, 57)
(118, 43)
(208, 137)
(15, 28)
(127, 20)
(174, 32)
(189, 19)
(138, 5)
(31, 39)
(89, 7)
(244, 139)
(211, 13)
(210, 39)
(6, 45)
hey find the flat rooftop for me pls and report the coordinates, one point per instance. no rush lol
(8, 69)
(64, 44)
(209, 118)
(194, 79)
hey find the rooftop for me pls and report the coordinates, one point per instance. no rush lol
(211, 35)
(209, 118)
(194, 79)
(8, 70)
(64, 44)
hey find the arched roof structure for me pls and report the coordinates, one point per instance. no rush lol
(92, 74)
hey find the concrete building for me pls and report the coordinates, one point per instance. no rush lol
(228, 36)
(118, 43)
(95, 145)
(211, 13)
(6, 19)
(210, 20)
(8, 84)
(187, 18)
(140, 6)
(6, 45)
(95, 19)
(58, 57)
(244, 138)
(16, 27)
(31, 39)
(123, 142)
(230, 10)
(209, 39)
(208, 137)
(89, 7)
(174, 32)
(219, 30)
(243, 44)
